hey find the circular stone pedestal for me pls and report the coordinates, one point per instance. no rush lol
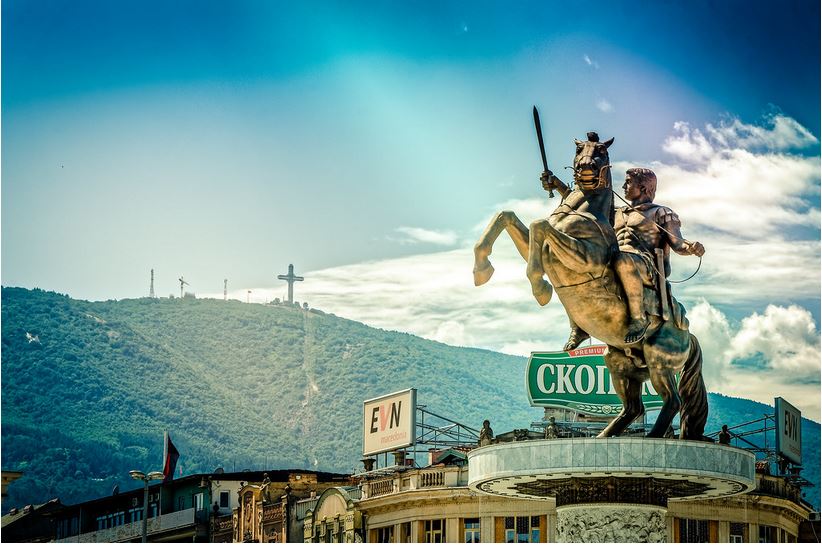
(614, 489)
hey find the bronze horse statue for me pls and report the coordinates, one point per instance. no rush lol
(575, 247)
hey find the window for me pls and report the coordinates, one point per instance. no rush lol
(181, 503)
(767, 534)
(385, 535)
(197, 501)
(62, 529)
(522, 529)
(472, 530)
(405, 532)
(693, 531)
(737, 532)
(434, 531)
(224, 498)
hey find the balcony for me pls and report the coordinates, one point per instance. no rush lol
(777, 487)
(133, 530)
(415, 479)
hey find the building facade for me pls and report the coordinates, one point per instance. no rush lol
(212, 507)
(435, 505)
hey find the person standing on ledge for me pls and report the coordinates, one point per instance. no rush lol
(641, 227)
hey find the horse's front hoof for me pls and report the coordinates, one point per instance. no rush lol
(543, 291)
(483, 272)
(576, 338)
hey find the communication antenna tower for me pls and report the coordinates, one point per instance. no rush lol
(225, 289)
(151, 291)
(182, 283)
(248, 297)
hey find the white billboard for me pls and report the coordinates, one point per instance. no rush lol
(389, 422)
(788, 430)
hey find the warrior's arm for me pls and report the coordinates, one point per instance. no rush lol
(549, 182)
(677, 242)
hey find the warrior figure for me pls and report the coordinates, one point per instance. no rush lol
(641, 227)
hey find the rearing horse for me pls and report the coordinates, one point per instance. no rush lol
(575, 247)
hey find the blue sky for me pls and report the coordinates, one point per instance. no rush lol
(228, 139)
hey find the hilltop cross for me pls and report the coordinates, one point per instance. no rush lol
(290, 278)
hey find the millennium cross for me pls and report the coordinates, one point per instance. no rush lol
(290, 278)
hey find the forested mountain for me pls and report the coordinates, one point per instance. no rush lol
(89, 387)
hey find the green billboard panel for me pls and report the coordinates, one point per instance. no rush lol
(578, 380)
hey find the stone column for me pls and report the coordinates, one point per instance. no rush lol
(415, 532)
(724, 531)
(452, 530)
(487, 529)
(611, 523)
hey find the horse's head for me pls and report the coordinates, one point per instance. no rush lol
(592, 166)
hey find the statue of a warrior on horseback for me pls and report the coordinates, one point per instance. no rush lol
(608, 266)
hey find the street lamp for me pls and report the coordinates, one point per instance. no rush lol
(140, 476)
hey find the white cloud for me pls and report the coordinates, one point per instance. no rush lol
(590, 62)
(452, 332)
(688, 144)
(784, 339)
(604, 106)
(416, 235)
(782, 133)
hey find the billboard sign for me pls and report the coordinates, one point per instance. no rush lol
(578, 380)
(788, 430)
(389, 422)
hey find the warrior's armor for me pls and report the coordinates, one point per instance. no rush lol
(637, 232)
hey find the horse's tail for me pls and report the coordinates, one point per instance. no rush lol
(694, 410)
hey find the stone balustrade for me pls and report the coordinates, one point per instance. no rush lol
(415, 479)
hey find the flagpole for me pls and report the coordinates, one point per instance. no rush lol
(165, 457)
(165, 448)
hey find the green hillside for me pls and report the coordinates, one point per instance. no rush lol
(237, 385)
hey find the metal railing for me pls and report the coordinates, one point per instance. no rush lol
(133, 530)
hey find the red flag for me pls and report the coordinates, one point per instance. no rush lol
(170, 457)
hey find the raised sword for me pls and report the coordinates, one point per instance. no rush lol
(538, 127)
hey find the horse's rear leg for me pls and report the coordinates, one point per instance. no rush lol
(665, 385)
(508, 221)
(629, 389)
